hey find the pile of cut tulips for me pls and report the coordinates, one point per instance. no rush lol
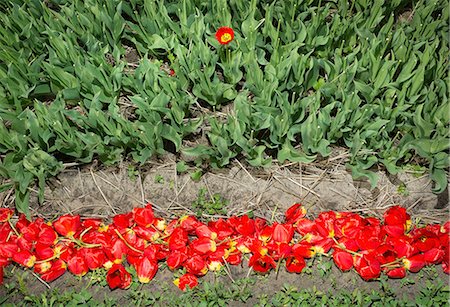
(140, 240)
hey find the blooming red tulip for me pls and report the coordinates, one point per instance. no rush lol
(261, 263)
(67, 225)
(186, 280)
(118, 277)
(224, 35)
(222, 228)
(243, 225)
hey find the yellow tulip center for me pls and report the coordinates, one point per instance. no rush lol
(226, 37)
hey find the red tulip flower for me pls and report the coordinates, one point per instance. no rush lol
(343, 260)
(144, 217)
(186, 280)
(145, 269)
(77, 265)
(294, 213)
(295, 264)
(57, 269)
(24, 258)
(224, 35)
(396, 273)
(5, 215)
(118, 277)
(67, 225)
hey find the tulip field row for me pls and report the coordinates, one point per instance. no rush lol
(137, 239)
(259, 81)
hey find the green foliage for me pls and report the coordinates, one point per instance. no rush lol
(209, 204)
(299, 77)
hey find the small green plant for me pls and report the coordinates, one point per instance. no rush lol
(402, 189)
(133, 173)
(214, 205)
(159, 179)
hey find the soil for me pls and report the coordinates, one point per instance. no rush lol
(93, 191)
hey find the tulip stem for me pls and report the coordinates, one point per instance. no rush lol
(126, 243)
(396, 261)
(342, 246)
(13, 228)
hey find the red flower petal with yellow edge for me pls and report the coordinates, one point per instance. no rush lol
(196, 265)
(24, 258)
(67, 225)
(415, 263)
(224, 35)
(118, 277)
(186, 280)
(145, 269)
